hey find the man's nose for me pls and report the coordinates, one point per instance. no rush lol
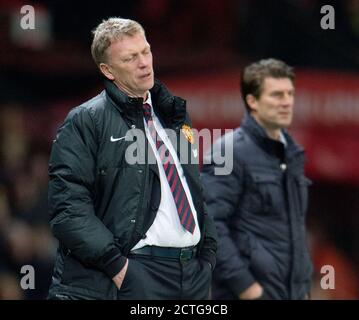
(288, 100)
(143, 61)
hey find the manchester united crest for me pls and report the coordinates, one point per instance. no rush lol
(188, 133)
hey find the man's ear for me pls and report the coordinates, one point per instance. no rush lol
(105, 69)
(252, 102)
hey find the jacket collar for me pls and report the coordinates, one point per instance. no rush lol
(172, 110)
(272, 147)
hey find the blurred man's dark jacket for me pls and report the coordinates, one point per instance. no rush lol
(259, 211)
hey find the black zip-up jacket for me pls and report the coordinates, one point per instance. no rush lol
(259, 212)
(100, 205)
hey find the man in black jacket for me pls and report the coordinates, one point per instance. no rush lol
(259, 208)
(129, 216)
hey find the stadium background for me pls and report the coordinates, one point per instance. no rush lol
(199, 49)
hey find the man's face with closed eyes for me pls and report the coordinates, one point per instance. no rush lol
(129, 64)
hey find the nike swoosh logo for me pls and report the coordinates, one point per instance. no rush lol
(116, 139)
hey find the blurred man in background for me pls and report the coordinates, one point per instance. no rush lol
(259, 209)
(127, 231)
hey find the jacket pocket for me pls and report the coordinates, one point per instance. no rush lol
(119, 199)
(127, 279)
(76, 275)
(267, 198)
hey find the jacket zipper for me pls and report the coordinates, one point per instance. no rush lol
(143, 187)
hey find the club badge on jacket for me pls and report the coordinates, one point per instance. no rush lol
(188, 133)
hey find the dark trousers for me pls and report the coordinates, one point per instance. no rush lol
(166, 279)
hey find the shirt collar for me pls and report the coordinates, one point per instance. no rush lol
(282, 138)
(149, 99)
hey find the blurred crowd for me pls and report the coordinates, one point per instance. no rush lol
(25, 238)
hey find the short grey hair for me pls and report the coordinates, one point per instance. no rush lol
(109, 30)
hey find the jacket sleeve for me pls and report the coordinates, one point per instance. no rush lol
(209, 246)
(72, 173)
(222, 195)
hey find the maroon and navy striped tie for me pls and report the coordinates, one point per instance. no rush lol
(179, 195)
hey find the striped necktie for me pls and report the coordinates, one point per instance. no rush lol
(179, 195)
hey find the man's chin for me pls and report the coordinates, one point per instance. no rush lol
(148, 85)
(285, 124)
